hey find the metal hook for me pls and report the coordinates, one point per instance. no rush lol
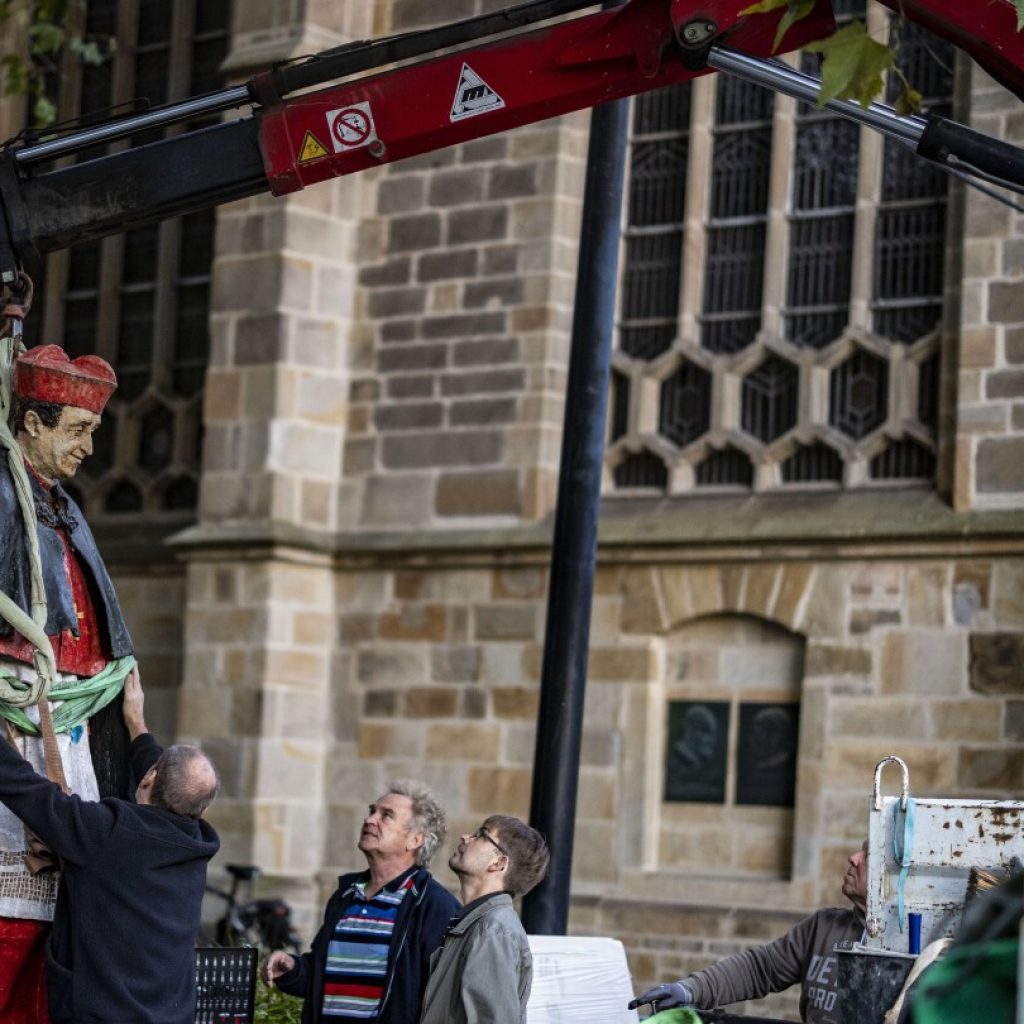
(904, 787)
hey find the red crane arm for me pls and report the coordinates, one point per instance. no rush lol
(572, 63)
(523, 79)
(986, 29)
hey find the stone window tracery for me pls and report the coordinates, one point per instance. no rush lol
(781, 302)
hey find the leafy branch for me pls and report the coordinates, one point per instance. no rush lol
(854, 64)
(46, 28)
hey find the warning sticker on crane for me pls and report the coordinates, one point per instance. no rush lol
(473, 96)
(312, 149)
(351, 127)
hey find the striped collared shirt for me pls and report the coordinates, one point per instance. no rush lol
(357, 955)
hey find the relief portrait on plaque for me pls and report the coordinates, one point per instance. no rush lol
(698, 735)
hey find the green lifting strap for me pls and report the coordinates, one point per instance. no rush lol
(81, 698)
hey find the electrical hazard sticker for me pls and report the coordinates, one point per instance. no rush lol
(312, 149)
(473, 96)
(351, 127)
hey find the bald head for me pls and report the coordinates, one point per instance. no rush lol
(184, 780)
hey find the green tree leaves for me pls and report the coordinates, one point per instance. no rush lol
(47, 29)
(854, 65)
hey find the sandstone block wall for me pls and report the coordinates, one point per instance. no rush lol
(990, 381)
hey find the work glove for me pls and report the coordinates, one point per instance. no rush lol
(664, 997)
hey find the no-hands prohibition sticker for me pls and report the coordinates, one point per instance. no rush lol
(351, 127)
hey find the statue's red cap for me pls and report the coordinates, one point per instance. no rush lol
(46, 374)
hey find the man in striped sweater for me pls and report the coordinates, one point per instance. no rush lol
(371, 958)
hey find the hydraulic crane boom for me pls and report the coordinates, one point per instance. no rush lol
(289, 142)
(292, 142)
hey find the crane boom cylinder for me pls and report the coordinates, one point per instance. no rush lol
(111, 131)
(934, 138)
(773, 74)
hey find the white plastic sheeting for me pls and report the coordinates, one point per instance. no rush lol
(579, 981)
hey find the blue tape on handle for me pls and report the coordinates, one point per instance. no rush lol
(902, 843)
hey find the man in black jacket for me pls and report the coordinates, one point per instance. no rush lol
(122, 945)
(371, 958)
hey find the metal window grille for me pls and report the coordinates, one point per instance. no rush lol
(726, 468)
(910, 228)
(769, 403)
(904, 460)
(735, 231)
(654, 222)
(824, 197)
(736, 351)
(686, 404)
(142, 299)
(815, 463)
(860, 388)
(641, 470)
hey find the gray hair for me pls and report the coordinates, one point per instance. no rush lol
(428, 815)
(186, 781)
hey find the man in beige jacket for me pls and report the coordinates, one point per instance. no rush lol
(483, 972)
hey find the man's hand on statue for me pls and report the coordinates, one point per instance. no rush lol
(277, 964)
(134, 699)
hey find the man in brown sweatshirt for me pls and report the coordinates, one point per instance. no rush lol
(806, 954)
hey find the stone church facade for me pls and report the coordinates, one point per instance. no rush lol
(328, 486)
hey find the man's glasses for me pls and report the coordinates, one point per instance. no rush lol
(482, 833)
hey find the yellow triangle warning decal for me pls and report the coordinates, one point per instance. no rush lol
(312, 149)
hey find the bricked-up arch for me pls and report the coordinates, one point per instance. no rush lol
(676, 608)
(728, 681)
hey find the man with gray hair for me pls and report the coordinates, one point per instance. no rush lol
(371, 957)
(132, 880)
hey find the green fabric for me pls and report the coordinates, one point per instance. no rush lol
(81, 699)
(677, 1015)
(969, 984)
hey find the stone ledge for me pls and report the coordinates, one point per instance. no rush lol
(911, 524)
(130, 543)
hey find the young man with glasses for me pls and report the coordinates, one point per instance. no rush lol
(483, 972)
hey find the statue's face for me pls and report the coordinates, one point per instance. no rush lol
(57, 452)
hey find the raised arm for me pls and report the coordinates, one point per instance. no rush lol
(70, 826)
(134, 703)
(144, 751)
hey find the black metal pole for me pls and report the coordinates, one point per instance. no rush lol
(574, 550)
